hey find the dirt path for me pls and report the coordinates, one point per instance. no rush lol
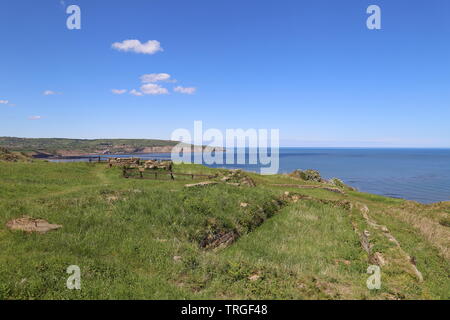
(377, 257)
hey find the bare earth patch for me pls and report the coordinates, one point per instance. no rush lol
(201, 184)
(28, 224)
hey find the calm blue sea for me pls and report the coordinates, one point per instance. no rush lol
(422, 175)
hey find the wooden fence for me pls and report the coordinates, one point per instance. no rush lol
(98, 159)
(156, 174)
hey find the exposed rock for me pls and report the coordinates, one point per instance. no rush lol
(238, 177)
(247, 181)
(378, 259)
(111, 199)
(201, 184)
(254, 277)
(346, 262)
(28, 224)
(220, 239)
(336, 190)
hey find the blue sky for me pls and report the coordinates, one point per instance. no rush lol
(309, 68)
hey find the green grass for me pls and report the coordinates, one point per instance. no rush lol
(140, 239)
(290, 260)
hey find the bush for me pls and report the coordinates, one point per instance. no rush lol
(307, 175)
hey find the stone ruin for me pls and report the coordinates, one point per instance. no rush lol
(129, 162)
(136, 163)
(158, 164)
(238, 177)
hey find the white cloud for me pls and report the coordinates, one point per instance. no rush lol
(34, 117)
(134, 92)
(50, 93)
(150, 47)
(118, 91)
(153, 89)
(4, 101)
(185, 90)
(155, 77)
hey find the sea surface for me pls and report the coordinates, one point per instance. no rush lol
(422, 175)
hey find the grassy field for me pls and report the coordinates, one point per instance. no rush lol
(151, 239)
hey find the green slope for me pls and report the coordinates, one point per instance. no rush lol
(141, 239)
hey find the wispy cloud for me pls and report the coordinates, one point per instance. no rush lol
(156, 77)
(150, 86)
(7, 103)
(149, 89)
(150, 47)
(34, 117)
(136, 93)
(50, 93)
(153, 89)
(118, 91)
(180, 89)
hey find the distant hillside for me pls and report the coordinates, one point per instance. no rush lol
(46, 147)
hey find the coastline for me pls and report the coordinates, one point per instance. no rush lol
(420, 175)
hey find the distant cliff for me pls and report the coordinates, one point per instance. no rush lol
(51, 147)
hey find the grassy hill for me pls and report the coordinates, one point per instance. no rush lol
(286, 238)
(58, 146)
